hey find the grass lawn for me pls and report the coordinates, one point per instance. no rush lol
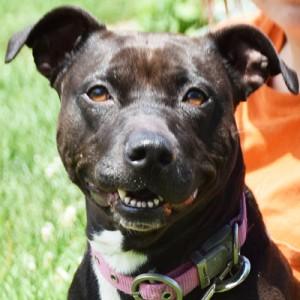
(42, 216)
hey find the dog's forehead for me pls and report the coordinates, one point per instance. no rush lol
(148, 61)
(139, 58)
(156, 51)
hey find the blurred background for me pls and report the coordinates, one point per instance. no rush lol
(42, 216)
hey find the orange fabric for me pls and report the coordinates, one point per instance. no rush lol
(269, 125)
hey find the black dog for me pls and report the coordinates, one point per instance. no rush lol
(147, 131)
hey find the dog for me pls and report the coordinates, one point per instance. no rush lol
(146, 130)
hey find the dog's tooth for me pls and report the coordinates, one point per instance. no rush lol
(127, 200)
(121, 193)
(195, 194)
(139, 204)
(133, 202)
(161, 199)
(144, 204)
(156, 202)
(150, 204)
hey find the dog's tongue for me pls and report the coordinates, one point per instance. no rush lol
(112, 199)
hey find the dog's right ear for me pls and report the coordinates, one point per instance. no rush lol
(54, 38)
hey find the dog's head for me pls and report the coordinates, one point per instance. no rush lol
(146, 127)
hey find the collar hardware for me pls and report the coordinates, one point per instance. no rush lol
(173, 290)
(242, 271)
(213, 288)
(220, 284)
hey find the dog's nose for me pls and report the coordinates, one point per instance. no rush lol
(148, 149)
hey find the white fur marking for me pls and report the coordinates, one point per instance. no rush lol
(109, 244)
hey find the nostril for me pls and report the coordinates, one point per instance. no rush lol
(165, 157)
(137, 154)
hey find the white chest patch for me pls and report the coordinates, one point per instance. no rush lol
(109, 244)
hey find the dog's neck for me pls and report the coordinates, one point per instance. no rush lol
(168, 252)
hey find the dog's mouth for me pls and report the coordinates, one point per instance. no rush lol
(142, 210)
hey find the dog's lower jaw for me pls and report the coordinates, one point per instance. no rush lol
(109, 243)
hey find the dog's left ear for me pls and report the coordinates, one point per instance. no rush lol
(251, 59)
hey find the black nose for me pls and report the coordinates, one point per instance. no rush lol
(148, 149)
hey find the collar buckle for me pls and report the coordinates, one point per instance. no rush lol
(167, 294)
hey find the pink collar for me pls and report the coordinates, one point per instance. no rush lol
(188, 276)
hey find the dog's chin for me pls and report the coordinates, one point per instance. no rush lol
(140, 212)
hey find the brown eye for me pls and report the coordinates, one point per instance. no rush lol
(195, 97)
(99, 94)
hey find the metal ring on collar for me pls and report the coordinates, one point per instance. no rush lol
(237, 278)
(159, 279)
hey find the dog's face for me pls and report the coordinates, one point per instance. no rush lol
(146, 127)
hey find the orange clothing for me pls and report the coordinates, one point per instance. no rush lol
(269, 125)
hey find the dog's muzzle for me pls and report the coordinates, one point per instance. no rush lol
(153, 186)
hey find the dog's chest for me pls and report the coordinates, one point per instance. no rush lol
(109, 244)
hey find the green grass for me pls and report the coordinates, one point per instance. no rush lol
(42, 216)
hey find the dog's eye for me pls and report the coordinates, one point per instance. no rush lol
(195, 97)
(98, 93)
